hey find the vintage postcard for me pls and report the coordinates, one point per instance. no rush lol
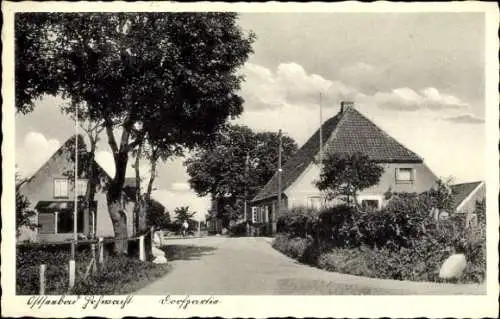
(250, 160)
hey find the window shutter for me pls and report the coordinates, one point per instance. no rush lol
(82, 187)
(266, 214)
(60, 188)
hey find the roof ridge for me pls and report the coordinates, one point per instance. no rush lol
(464, 183)
(387, 135)
(342, 116)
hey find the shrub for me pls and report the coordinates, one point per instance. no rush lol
(402, 241)
(298, 222)
(292, 247)
(239, 229)
(120, 274)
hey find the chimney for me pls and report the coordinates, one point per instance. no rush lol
(346, 105)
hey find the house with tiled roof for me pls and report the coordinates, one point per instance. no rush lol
(51, 190)
(347, 132)
(466, 195)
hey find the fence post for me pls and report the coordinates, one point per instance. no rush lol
(94, 266)
(101, 250)
(141, 248)
(42, 279)
(152, 240)
(72, 268)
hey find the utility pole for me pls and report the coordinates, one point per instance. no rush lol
(247, 159)
(320, 128)
(321, 139)
(279, 183)
(75, 195)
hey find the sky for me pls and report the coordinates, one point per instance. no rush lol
(418, 76)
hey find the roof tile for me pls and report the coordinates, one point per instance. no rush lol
(347, 132)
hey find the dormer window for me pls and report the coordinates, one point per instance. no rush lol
(405, 175)
(61, 188)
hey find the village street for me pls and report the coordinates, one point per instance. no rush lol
(250, 266)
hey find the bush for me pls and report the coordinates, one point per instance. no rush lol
(292, 247)
(120, 274)
(298, 222)
(402, 241)
(239, 229)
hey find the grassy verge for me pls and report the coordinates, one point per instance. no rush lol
(118, 275)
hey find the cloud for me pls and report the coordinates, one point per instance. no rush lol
(35, 150)
(406, 99)
(290, 84)
(465, 118)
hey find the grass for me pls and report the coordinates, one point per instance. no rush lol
(118, 274)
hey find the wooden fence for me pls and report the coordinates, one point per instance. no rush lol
(138, 247)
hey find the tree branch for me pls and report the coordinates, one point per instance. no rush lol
(111, 137)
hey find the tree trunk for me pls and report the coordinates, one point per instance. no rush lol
(138, 197)
(118, 218)
(115, 208)
(92, 184)
(147, 198)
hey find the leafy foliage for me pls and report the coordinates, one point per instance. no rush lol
(294, 247)
(120, 274)
(345, 175)
(237, 164)
(183, 214)
(157, 216)
(24, 215)
(403, 241)
(170, 78)
(298, 222)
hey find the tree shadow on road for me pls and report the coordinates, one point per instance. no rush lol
(186, 252)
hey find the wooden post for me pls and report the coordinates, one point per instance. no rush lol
(72, 270)
(152, 234)
(94, 258)
(101, 250)
(141, 248)
(72, 250)
(42, 279)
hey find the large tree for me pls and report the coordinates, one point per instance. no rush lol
(236, 166)
(344, 175)
(157, 76)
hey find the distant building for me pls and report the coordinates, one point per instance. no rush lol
(465, 198)
(347, 132)
(50, 192)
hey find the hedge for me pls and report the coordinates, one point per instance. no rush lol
(402, 241)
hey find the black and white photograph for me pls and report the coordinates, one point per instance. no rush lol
(195, 158)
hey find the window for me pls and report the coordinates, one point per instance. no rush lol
(82, 187)
(254, 214)
(60, 188)
(405, 175)
(370, 205)
(314, 202)
(64, 222)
